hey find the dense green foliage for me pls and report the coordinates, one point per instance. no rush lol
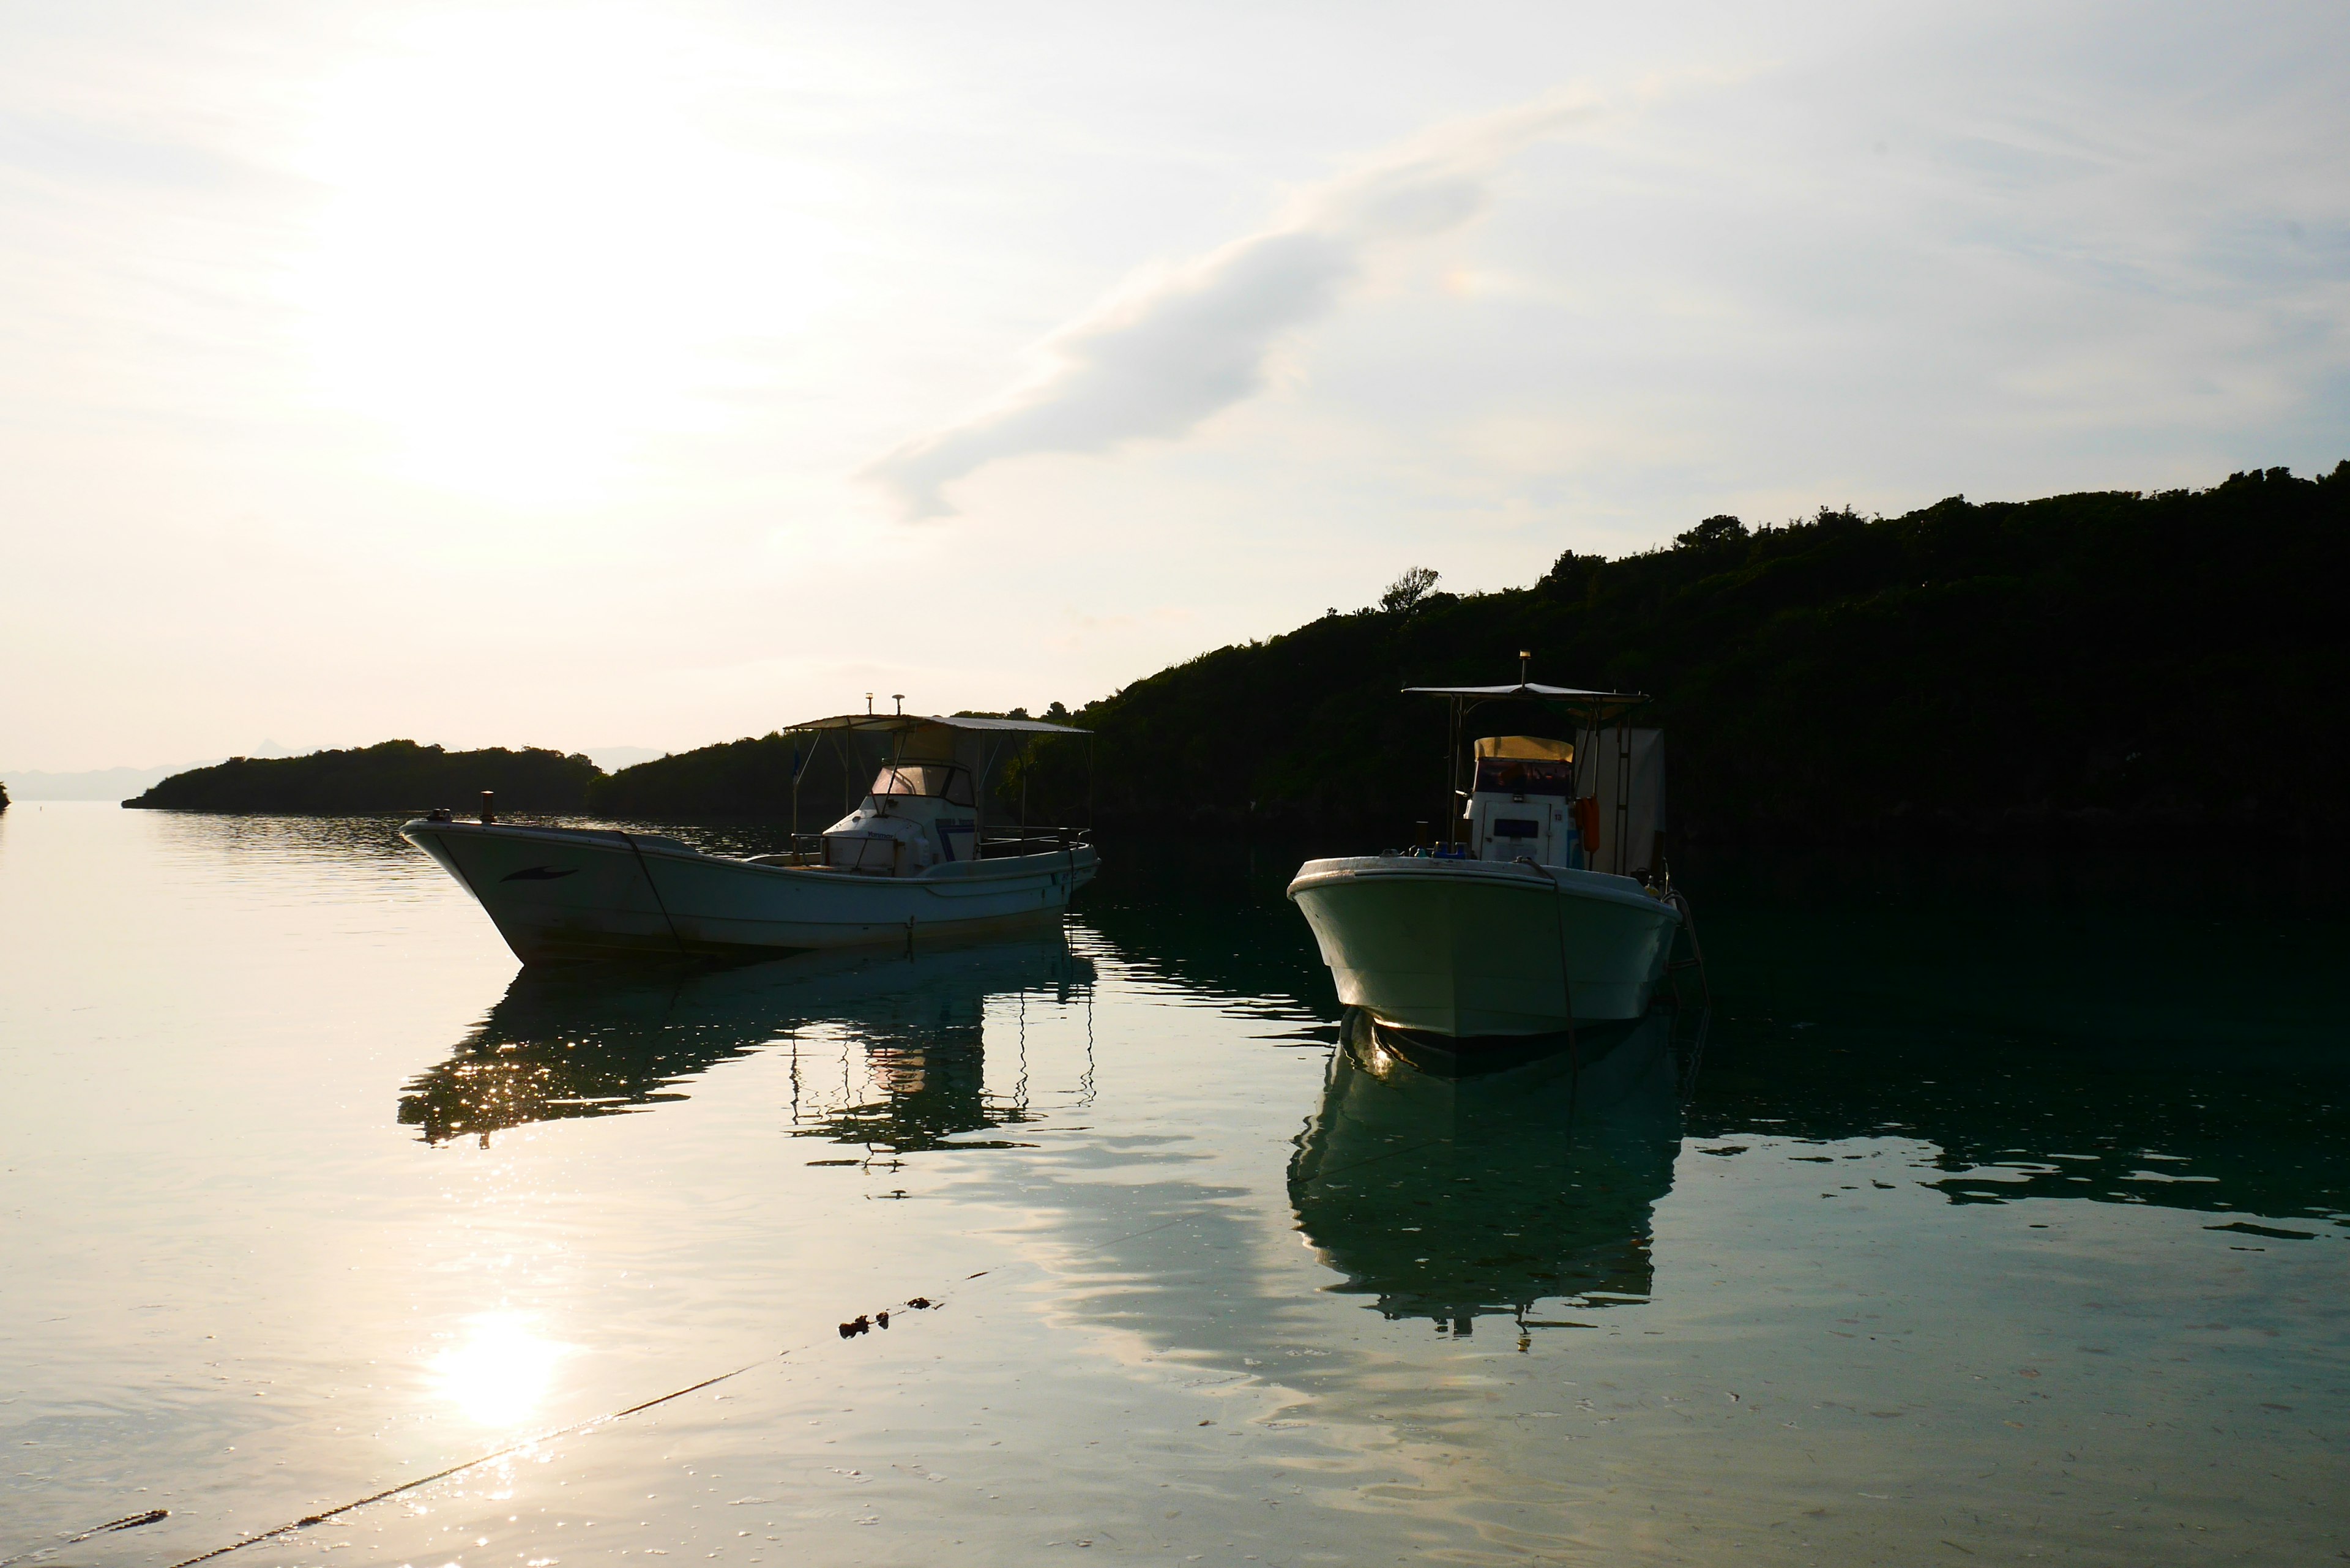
(750, 778)
(397, 776)
(4, 797)
(2170, 659)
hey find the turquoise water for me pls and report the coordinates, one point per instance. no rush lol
(1995, 1210)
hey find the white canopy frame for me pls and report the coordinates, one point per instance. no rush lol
(1593, 711)
(973, 743)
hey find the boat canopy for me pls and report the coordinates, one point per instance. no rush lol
(1520, 765)
(950, 756)
(1595, 706)
(1523, 689)
(1525, 748)
(891, 723)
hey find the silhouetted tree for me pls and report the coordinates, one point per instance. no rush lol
(1407, 591)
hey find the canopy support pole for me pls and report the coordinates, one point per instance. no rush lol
(1623, 790)
(980, 784)
(1452, 781)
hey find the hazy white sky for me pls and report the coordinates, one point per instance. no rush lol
(615, 373)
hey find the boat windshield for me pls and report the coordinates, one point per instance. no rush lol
(940, 780)
(1525, 775)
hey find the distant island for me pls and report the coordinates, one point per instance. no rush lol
(395, 775)
(2173, 661)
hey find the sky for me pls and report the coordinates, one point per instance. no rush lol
(618, 374)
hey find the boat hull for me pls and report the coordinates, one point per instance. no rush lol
(564, 895)
(1472, 947)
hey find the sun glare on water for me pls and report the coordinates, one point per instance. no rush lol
(499, 1373)
(535, 252)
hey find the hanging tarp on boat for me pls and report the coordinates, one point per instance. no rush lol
(1624, 769)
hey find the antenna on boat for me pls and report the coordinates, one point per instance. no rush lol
(869, 702)
(1523, 655)
(900, 699)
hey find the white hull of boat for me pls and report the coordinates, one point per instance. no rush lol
(559, 895)
(1470, 948)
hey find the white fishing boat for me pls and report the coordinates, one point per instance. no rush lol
(914, 862)
(1549, 902)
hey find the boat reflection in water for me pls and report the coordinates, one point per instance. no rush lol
(1451, 1193)
(594, 1043)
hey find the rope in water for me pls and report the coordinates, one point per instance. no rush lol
(630, 839)
(326, 1515)
(128, 1522)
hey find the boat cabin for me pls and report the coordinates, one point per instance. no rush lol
(1594, 803)
(926, 807)
(1520, 801)
(916, 815)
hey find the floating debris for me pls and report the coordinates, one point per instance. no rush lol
(2245, 1228)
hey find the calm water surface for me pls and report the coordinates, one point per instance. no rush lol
(2001, 1215)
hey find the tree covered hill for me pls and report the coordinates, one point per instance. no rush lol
(2179, 658)
(392, 776)
(749, 777)
(2176, 661)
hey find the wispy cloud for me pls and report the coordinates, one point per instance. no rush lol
(1177, 345)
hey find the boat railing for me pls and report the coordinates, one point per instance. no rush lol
(1000, 842)
(995, 844)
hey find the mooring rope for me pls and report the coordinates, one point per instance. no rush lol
(324, 1515)
(911, 1303)
(630, 839)
(128, 1522)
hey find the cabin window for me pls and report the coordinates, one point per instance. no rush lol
(939, 780)
(1522, 776)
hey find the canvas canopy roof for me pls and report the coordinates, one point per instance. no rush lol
(1525, 748)
(1593, 705)
(1522, 689)
(1534, 690)
(888, 723)
(869, 743)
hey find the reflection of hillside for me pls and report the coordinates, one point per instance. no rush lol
(2022, 1117)
(1450, 1197)
(1213, 921)
(2106, 1029)
(562, 1045)
(273, 842)
(2012, 1115)
(2084, 1024)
